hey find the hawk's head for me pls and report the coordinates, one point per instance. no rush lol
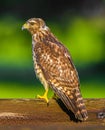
(34, 24)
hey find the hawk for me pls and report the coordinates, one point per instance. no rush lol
(54, 67)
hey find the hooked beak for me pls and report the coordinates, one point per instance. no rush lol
(25, 26)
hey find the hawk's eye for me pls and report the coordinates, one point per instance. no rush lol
(32, 23)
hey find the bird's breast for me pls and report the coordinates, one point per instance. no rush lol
(38, 69)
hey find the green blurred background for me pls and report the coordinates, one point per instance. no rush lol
(78, 24)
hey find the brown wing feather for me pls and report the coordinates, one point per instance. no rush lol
(61, 75)
(54, 66)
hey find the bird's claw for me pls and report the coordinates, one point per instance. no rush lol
(44, 97)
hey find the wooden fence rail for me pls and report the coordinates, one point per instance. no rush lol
(34, 114)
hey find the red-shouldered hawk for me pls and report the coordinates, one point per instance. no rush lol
(54, 67)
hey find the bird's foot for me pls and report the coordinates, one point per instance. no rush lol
(44, 97)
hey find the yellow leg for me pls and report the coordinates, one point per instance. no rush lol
(44, 96)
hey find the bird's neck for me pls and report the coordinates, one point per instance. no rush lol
(42, 35)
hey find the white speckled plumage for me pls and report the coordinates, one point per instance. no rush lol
(54, 67)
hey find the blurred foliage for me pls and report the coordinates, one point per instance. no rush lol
(83, 35)
(14, 46)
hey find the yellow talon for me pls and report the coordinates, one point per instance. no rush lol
(44, 96)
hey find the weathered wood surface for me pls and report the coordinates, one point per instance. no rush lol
(30, 114)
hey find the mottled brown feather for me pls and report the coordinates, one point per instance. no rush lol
(53, 61)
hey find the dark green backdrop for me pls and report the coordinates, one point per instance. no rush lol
(79, 25)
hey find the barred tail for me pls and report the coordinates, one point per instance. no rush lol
(81, 112)
(74, 102)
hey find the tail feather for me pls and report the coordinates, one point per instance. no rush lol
(81, 108)
(73, 102)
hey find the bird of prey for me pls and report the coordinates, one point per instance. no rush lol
(54, 67)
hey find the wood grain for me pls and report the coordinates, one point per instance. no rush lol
(35, 113)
